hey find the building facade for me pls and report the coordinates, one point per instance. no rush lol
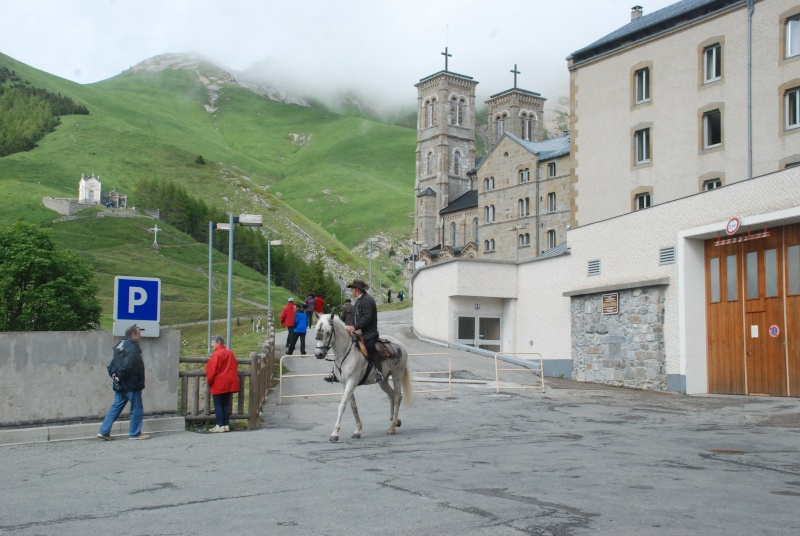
(682, 271)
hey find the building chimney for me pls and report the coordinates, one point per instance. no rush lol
(636, 12)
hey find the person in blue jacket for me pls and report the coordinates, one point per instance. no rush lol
(300, 329)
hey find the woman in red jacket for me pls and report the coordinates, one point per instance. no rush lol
(222, 376)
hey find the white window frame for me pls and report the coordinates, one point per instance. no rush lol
(488, 213)
(524, 206)
(708, 128)
(551, 239)
(551, 169)
(641, 84)
(488, 245)
(792, 35)
(642, 201)
(488, 184)
(524, 175)
(712, 184)
(712, 63)
(524, 240)
(641, 143)
(791, 105)
(551, 202)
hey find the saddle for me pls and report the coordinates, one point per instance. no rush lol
(386, 349)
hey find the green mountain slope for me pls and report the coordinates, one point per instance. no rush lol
(350, 179)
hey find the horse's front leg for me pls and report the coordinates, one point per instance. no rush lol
(354, 407)
(348, 392)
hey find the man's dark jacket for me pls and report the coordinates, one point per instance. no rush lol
(366, 316)
(128, 365)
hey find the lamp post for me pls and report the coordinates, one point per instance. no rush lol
(248, 220)
(269, 270)
(414, 256)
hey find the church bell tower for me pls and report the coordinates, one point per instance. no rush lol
(445, 147)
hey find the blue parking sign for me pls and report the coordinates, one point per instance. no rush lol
(137, 300)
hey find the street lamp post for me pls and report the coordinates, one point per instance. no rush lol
(248, 220)
(414, 256)
(269, 270)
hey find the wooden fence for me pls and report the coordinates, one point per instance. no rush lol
(195, 398)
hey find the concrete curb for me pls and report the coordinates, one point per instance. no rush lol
(67, 432)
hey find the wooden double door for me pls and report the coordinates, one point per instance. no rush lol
(753, 314)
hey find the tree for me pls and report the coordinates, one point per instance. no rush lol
(43, 288)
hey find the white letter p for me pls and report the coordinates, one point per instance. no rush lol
(136, 296)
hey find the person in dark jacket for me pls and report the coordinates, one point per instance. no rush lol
(222, 376)
(300, 329)
(347, 312)
(127, 375)
(365, 318)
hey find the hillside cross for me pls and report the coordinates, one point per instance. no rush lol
(446, 55)
(155, 230)
(516, 72)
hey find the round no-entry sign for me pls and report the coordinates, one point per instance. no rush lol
(774, 330)
(732, 226)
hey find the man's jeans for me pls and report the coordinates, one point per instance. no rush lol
(120, 401)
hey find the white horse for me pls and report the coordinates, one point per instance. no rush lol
(350, 367)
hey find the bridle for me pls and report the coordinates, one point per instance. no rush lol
(320, 336)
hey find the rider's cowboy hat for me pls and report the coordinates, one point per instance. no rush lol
(357, 283)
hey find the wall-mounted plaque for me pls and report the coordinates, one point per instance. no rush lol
(610, 303)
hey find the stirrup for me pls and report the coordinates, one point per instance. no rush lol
(378, 375)
(330, 378)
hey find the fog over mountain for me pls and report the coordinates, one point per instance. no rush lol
(377, 50)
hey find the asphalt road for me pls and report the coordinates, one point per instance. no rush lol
(576, 459)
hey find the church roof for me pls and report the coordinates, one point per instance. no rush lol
(547, 149)
(447, 73)
(515, 90)
(427, 192)
(646, 26)
(464, 201)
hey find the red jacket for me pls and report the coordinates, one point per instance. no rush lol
(319, 305)
(287, 315)
(222, 372)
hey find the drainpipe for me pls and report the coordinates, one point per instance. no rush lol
(538, 208)
(750, 9)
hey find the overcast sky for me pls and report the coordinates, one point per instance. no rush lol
(382, 47)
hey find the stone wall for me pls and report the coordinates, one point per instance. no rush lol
(625, 349)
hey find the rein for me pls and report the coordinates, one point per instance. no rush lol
(335, 360)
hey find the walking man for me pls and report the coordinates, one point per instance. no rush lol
(127, 376)
(287, 321)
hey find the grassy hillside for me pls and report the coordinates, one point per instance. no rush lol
(351, 179)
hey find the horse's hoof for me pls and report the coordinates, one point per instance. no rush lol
(333, 438)
(390, 431)
(355, 436)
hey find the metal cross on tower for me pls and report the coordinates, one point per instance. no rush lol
(446, 55)
(516, 72)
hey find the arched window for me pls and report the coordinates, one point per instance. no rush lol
(457, 164)
(500, 125)
(488, 212)
(427, 107)
(453, 234)
(453, 111)
(475, 229)
(430, 164)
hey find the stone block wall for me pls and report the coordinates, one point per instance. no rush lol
(625, 349)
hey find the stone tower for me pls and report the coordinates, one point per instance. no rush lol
(445, 148)
(518, 111)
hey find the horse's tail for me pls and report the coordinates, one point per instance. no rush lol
(408, 390)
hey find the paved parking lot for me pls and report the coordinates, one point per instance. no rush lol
(576, 459)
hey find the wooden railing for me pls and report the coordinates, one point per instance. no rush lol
(195, 397)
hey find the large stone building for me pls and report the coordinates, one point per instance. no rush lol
(682, 270)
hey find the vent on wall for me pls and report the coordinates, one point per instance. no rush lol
(666, 255)
(594, 267)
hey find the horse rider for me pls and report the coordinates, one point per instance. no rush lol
(365, 316)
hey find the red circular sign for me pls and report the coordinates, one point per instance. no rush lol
(732, 226)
